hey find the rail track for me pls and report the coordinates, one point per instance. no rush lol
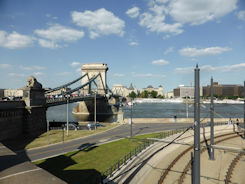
(188, 166)
(231, 168)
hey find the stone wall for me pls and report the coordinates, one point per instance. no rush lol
(16, 120)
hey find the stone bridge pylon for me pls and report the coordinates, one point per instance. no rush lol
(92, 70)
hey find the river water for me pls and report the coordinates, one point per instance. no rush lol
(156, 110)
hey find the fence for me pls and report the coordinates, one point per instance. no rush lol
(123, 161)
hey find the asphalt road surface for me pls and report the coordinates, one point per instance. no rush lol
(100, 138)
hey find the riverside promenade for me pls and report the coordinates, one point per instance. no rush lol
(149, 165)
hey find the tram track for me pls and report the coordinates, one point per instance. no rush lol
(188, 166)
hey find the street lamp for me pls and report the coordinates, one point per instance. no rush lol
(67, 117)
(95, 109)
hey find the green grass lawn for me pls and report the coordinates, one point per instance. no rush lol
(56, 136)
(86, 166)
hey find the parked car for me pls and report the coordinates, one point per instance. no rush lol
(91, 125)
(71, 126)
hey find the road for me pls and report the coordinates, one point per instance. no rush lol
(100, 138)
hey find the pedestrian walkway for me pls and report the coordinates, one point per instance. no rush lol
(16, 169)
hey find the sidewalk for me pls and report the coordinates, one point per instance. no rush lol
(16, 169)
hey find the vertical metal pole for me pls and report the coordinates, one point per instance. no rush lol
(244, 108)
(212, 120)
(196, 165)
(95, 110)
(67, 118)
(186, 106)
(48, 130)
(131, 122)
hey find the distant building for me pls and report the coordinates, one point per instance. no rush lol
(224, 90)
(150, 88)
(1, 93)
(121, 90)
(186, 91)
(58, 92)
(13, 93)
(169, 94)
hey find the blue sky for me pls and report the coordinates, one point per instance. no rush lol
(146, 42)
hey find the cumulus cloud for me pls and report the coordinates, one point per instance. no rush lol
(194, 52)
(118, 75)
(160, 62)
(241, 15)
(38, 73)
(75, 64)
(57, 33)
(201, 11)
(169, 17)
(31, 68)
(155, 23)
(210, 68)
(48, 44)
(99, 22)
(133, 12)
(134, 74)
(5, 66)
(14, 40)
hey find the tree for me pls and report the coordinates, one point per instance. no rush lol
(144, 94)
(132, 95)
(153, 94)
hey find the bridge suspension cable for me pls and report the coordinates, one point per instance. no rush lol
(82, 86)
(67, 84)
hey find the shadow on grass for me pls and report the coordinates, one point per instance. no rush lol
(57, 166)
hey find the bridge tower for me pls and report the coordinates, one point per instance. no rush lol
(93, 69)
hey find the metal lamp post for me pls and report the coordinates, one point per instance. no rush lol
(95, 110)
(196, 164)
(212, 120)
(131, 122)
(67, 117)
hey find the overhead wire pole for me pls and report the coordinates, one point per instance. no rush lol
(196, 164)
(212, 120)
(95, 109)
(67, 118)
(244, 109)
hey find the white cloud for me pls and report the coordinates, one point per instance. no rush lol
(16, 75)
(31, 68)
(133, 12)
(60, 33)
(48, 44)
(118, 75)
(241, 15)
(99, 22)
(63, 73)
(132, 43)
(160, 62)
(75, 64)
(194, 52)
(134, 74)
(155, 23)
(210, 68)
(5, 66)
(201, 11)
(38, 73)
(14, 40)
(168, 50)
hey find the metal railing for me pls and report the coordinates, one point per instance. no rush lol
(134, 152)
(124, 160)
